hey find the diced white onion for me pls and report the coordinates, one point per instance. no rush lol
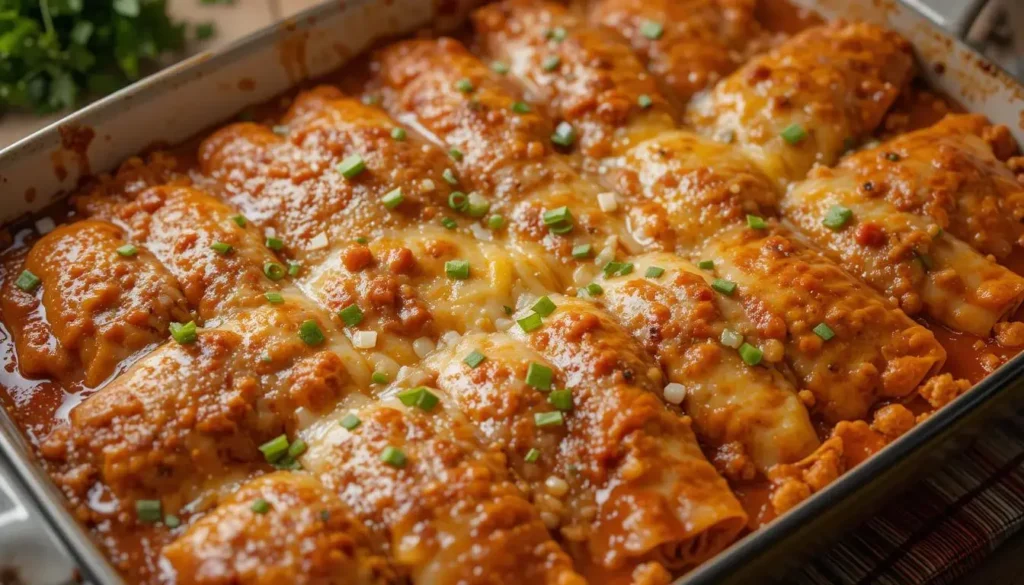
(450, 338)
(318, 242)
(423, 346)
(364, 339)
(481, 233)
(731, 339)
(607, 202)
(556, 486)
(674, 393)
(45, 225)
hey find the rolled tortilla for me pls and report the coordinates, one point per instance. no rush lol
(95, 306)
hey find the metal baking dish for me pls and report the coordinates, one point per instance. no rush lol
(208, 89)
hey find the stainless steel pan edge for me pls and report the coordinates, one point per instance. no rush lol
(183, 100)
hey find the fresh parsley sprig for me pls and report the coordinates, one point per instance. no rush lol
(55, 52)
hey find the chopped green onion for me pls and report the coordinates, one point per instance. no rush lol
(457, 269)
(654, 272)
(557, 216)
(274, 449)
(582, 251)
(496, 222)
(457, 200)
(274, 243)
(393, 198)
(706, 265)
(548, 419)
(239, 220)
(508, 310)
(393, 457)
(627, 268)
(449, 177)
(273, 271)
(419, 397)
(750, 354)
(521, 108)
(730, 338)
(379, 378)
(532, 456)
(184, 333)
(351, 315)
(361, 240)
(561, 399)
(726, 287)
(531, 322)
(221, 248)
(287, 462)
(477, 205)
(539, 376)
(551, 62)
(369, 100)
(612, 268)
(350, 421)
(280, 130)
(564, 134)
(652, 29)
(556, 34)
(499, 67)
(127, 250)
(297, 448)
(148, 511)
(837, 217)
(172, 521)
(310, 333)
(260, 506)
(560, 229)
(293, 268)
(464, 85)
(474, 359)
(456, 154)
(756, 222)
(544, 306)
(892, 157)
(594, 289)
(644, 101)
(351, 166)
(793, 134)
(274, 298)
(398, 133)
(823, 331)
(449, 223)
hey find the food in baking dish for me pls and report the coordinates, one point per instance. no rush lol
(581, 297)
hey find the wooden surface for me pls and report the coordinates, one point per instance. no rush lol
(1004, 567)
